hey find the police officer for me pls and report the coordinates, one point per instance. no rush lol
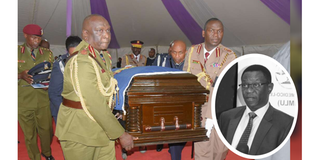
(86, 127)
(56, 81)
(135, 58)
(33, 104)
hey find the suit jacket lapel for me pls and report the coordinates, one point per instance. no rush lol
(264, 127)
(234, 124)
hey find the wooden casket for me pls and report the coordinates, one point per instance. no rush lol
(165, 109)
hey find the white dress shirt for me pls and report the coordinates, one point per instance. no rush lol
(205, 51)
(137, 57)
(244, 122)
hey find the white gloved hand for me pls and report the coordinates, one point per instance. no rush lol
(208, 126)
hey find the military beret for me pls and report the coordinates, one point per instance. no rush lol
(136, 43)
(33, 29)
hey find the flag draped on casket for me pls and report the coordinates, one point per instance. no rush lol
(125, 76)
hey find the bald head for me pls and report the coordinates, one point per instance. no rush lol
(45, 44)
(96, 32)
(178, 51)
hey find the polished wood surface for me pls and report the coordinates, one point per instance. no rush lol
(165, 109)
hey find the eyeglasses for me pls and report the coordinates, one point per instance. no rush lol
(254, 85)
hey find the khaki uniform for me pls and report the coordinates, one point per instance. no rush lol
(93, 128)
(129, 59)
(207, 74)
(33, 105)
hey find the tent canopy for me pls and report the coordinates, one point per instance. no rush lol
(157, 23)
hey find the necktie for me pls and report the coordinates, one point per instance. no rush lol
(206, 57)
(33, 56)
(104, 61)
(242, 146)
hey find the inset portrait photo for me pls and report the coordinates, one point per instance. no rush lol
(254, 106)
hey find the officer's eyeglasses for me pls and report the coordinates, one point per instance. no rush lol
(253, 85)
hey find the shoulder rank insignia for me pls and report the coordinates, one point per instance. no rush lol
(22, 49)
(92, 51)
(131, 56)
(41, 51)
(227, 49)
(218, 52)
(199, 48)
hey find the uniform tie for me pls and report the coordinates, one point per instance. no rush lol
(33, 56)
(104, 61)
(243, 146)
(206, 57)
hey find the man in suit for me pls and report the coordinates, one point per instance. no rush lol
(176, 60)
(267, 126)
(151, 57)
(161, 59)
(33, 104)
(86, 127)
(56, 80)
(135, 58)
(178, 53)
(206, 61)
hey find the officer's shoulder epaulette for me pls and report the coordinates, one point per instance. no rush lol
(84, 52)
(130, 55)
(198, 47)
(227, 49)
(22, 48)
(42, 49)
(45, 49)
